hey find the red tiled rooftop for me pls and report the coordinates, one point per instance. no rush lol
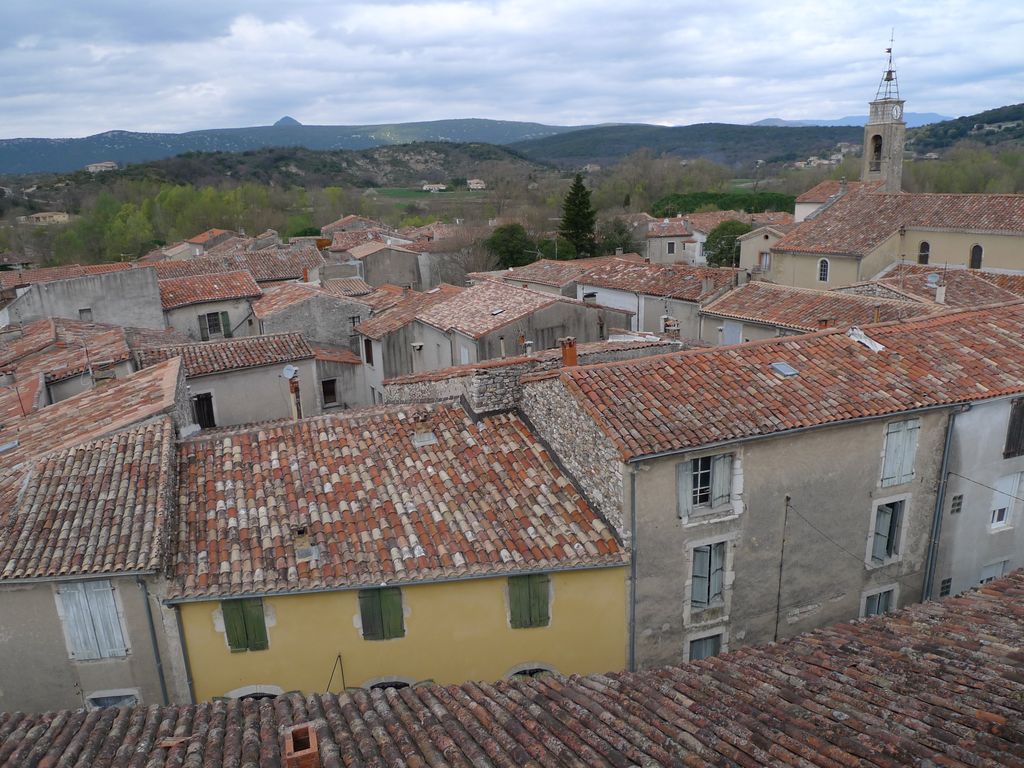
(18, 278)
(330, 353)
(558, 272)
(677, 281)
(344, 241)
(688, 399)
(398, 309)
(268, 265)
(471, 498)
(363, 250)
(281, 296)
(207, 236)
(935, 684)
(223, 286)
(59, 348)
(346, 221)
(804, 309)
(688, 223)
(485, 307)
(824, 191)
(347, 286)
(202, 358)
(964, 287)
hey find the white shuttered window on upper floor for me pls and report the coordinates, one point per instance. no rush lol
(900, 451)
(92, 623)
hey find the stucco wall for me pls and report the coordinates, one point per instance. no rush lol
(129, 297)
(258, 394)
(62, 390)
(1000, 251)
(801, 270)
(350, 386)
(686, 312)
(454, 631)
(321, 318)
(710, 332)
(395, 267)
(186, 319)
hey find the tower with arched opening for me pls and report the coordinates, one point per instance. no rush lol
(885, 134)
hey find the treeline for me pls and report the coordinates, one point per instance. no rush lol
(968, 168)
(751, 202)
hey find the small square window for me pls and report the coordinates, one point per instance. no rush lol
(945, 587)
(671, 247)
(329, 387)
(956, 506)
(993, 571)
(705, 647)
(880, 602)
(85, 315)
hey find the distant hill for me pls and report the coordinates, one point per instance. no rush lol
(912, 119)
(1003, 125)
(733, 145)
(124, 147)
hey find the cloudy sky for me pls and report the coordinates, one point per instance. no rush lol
(77, 67)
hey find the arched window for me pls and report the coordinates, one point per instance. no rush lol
(923, 252)
(876, 153)
(823, 271)
(976, 253)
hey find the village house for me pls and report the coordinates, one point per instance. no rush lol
(725, 454)
(45, 218)
(319, 315)
(100, 167)
(756, 248)
(551, 275)
(418, 542)
(680, 240)
(87, 490)
(347, 287)
(211, 306)
(240, 381)
(340, 373)
(349, 223)
(880, 691)
(663, 298)
(270, 265)
(205, 241)
(760, 310)
(383, 262)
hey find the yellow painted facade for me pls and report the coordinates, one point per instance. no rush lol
(454, 631)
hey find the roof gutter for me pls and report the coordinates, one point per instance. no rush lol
(16, 581)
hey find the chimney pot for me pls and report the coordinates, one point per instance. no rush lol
(940, 294)
(568, 345)
(300, 747)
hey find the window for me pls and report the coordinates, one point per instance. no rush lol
(203, 405)
(381, 612)
(924, 250)
(704, 482)
(244, 625)
(708, 573)
(705, 647)
(116, 698)
(1002, 500)
(977, 252)
(92, 624)
(671, 247)
(85, 315)
(329, 388)
(880, 602)
(1015, 430)
(956, 506)
(214, 325)
(823, 271)
(993, 571)
(885, 542)
(900, 452)
(876, 153)
(765, 261)
(528, 600)
(945, 587)
(368, 351)
(353, 321)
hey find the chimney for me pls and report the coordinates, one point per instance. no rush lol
(501, 343)
(824, 322)
(940, 294)
(707, 285)
(618, 251)
(568, 345)
(878, 313)
(305, 274)
(300, 747)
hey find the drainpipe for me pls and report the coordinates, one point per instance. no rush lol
(184, 654)
(940, 503)
(152, 638)
(632, 569)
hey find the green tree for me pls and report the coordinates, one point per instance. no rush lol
(578, 219)
(721, 248)
(511, 246)
(615, 233)
(557, 248)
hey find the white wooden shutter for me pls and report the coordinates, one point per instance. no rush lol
(717, 571)
(911, 430)
(721, 479)
(1006, 489)
(684, 487)
(883, 521)
(701, 569)
(106, 622)
(78, 622)
(893, 456)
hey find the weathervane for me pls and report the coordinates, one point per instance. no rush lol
(889, 87)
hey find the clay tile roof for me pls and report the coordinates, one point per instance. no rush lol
(347, 286)
(348, 221)
(268, 265)
(556, 272)
(804, 309)
(824, 191)
(205, 357)
(368, 249)
(402, 494)
(344, 241)
(59, 348)
(680, 401)
(673, 227)
(281, 296)
(97, 507)
(863, 219)
(207, 236)
(678, 281)
(396, 309)
(485, 307)
(688, 223)
(19, 278)
(183, 291)
(330, 353)
(964, 287)
(935, 684)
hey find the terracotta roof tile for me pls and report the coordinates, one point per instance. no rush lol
(964, 287)
(558, 272)
(205, 357)
(688, 223)
(826, 190)
(59, 348)
(330, 353)
(935, 684)
(399, 309)
(184, 291)
(280, 296)
(268, 265)
(485, 307)
(19, 278)
(347, 286)
(344, 222)
(363, 250)
(804, 309)
(207, 236)
(688, 399)
(388, 495)
(345, 241)
(677, 281)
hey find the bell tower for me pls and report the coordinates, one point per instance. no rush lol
(885, 134)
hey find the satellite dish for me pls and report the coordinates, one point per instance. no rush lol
(933, 279)
(289, 372)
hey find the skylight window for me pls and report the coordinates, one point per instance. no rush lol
(785, 370)
(497, 311)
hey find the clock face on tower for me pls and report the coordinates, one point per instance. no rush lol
(897, 111)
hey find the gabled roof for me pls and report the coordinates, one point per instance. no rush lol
(938, 683)
(824, 191)
(558, 272)
(363, 250)
(403, 309)
(204, 237)
(964, 287)
(677, 281)
(389, 495)
(332, 353)
(686, 224)
(347, 221)
(281, 296)
(384, 296)
(347, 286)
(804, 309)
(19, 278)
(267, 265)
(862, 219)
(178, 292)
(690, 399)
(485, 307)
(344, 241)
(202, 358)
(59, 348)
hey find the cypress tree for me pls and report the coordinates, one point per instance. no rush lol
(578, 219)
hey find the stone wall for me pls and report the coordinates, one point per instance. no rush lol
(871, 289)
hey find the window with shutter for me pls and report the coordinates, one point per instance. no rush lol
(1015, 431)
(705, 647)
(703, 482)
(900, 452)
(244, 625)
(885, 543)
(92, 624)
(1003, 498)
(204, 328)
(528, 599)
(381, 613)
(225, 325)
(879, 602)
(708, 575)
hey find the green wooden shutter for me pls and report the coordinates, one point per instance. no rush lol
(391, 613)
(234, 625)
(225, 325)
(539, 600)
(519, 601)
(370, 613)
(204, 328)
(255, 626)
